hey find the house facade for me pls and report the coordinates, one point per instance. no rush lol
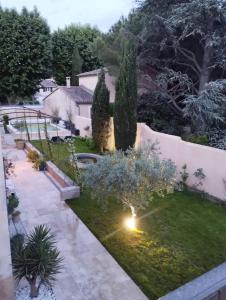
(46, 87)
(68, 102)
(90, 79)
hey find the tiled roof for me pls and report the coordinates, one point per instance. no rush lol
(78, 94)
(48, 83)
(92, 73)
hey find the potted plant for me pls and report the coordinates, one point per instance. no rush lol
(13, 203)
(20, 144)
(42, 165)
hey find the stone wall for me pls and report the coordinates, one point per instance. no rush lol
(209, 286)
(6, 279)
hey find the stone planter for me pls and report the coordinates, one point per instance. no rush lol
(20, 144)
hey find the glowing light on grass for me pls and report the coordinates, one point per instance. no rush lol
(131, 223)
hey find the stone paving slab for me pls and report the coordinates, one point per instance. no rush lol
(90, 272)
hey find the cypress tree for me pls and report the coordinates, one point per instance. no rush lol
(125, 116)
(76, 66)
(101, 113)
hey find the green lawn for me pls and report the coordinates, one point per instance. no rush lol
(180, 237)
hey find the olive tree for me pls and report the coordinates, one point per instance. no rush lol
(133, 178)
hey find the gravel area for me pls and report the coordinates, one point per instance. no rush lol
(45, 293)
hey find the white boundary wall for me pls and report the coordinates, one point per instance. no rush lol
(212, 160)
(6, 279)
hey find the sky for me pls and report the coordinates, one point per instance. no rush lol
(58, 13)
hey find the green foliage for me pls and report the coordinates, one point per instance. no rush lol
(39, 163)
(64, 42)
(25, 50)
(111, 109)
(187, 39)
(71, 148)
(6, 120)
(37, 259)
(50, 154)
(132, 178)
(184, 177)
(61, 154)
(100, 114)
(13, 203)
(76, 67)
(200, 176)
(207, 108)
(197, 139)
(32, 156)
(125, 118)
(5, 123)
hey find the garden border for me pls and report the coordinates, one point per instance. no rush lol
(68, 189)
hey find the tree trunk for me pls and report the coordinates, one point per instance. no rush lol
(205, 72)
(34, 289)
(133, 211)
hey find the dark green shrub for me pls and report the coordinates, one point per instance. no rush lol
(6, 119)
(42, 165)
(15, 242)
(111, 109)
(13, 203)
(197, 139)
(5, 123)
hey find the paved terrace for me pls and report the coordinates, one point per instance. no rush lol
(90, 272)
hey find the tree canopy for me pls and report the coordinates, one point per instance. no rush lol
(25, 51)
(64, 41)
(185, 43)
(132, 178)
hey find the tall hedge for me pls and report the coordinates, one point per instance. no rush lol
(101, 113)
(125, 116)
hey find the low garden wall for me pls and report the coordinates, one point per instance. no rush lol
(209, 286)
(64, 184)
(84, 125)
(6, 279)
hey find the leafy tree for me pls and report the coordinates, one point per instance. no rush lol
(186, 44)
(125, 120)
(76, 67)
(208, 106)
(133, 178)
(25, 50)
(100, 113)
(108, 46)
(37, 259)
(64, 42)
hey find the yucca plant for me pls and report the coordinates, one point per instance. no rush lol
(37, 259)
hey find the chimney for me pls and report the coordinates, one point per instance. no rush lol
(68, 82)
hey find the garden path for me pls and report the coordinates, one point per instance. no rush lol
(90, 272)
